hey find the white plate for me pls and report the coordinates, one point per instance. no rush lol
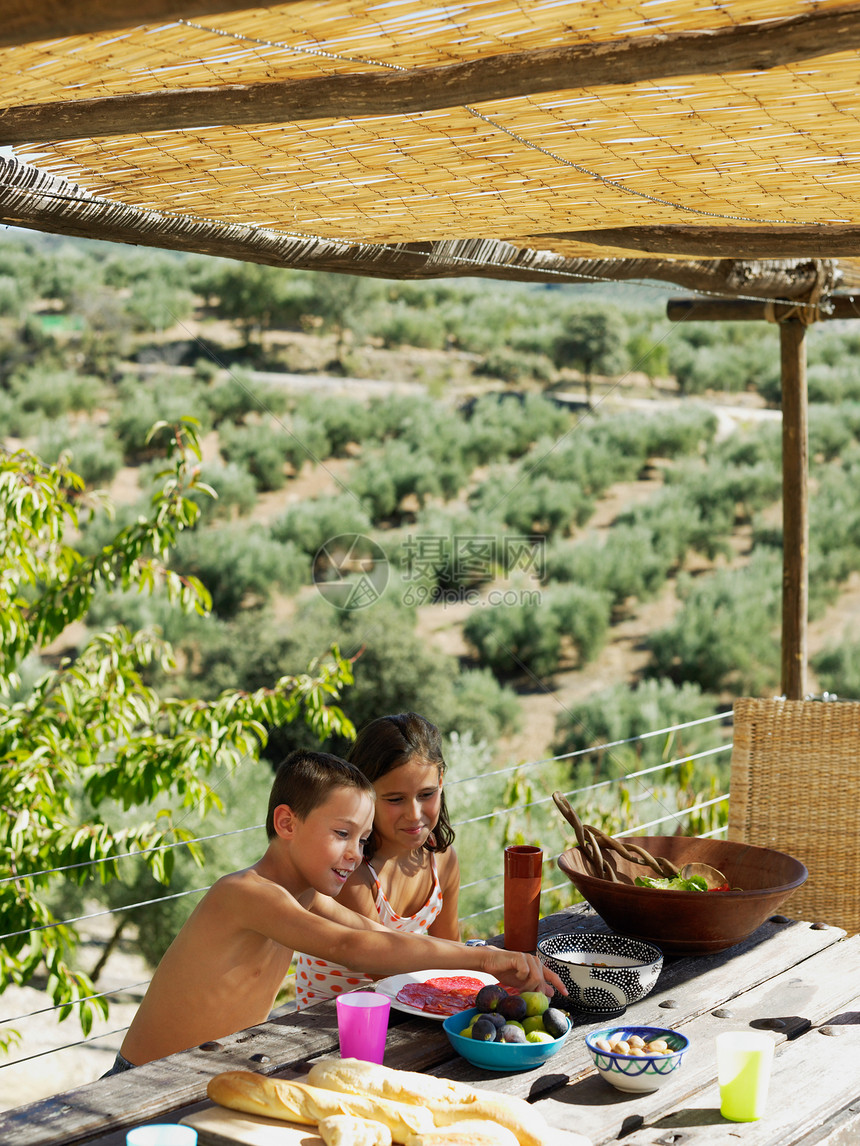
(395, 983)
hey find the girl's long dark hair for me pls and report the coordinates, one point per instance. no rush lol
(389, 741)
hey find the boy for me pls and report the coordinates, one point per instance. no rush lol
(224, 969)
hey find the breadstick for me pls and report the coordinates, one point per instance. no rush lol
(355, 1076)
(523, 1120)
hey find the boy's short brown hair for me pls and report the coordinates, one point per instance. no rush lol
(306, 779)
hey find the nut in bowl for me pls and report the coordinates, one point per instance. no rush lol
(637, 1059)
(603, 973)
(509, 1057)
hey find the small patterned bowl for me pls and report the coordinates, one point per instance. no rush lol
(637, 1073)
(603, 973)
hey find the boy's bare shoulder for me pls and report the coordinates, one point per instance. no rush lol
(250, 883)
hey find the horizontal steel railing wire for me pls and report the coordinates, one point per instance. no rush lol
(601, 784)
(719, 716)
(585, 789)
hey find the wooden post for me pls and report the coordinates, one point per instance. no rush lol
(795, 508)
(795, 457)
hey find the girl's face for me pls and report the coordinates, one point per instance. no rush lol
(408, 800)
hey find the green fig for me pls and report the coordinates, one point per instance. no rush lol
(536, 1002)
(539, 1037)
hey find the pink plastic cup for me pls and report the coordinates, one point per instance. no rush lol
(362, 1024)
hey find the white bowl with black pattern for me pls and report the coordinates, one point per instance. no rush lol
(603, 973)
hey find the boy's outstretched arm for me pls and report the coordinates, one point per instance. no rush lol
(426, 952)
(518, 969)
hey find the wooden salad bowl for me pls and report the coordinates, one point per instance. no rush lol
(689, 922)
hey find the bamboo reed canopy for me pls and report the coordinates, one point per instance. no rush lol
(712, 146)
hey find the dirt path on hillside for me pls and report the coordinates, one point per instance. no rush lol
(620, 662)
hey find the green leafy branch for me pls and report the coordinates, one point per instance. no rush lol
(94, 761)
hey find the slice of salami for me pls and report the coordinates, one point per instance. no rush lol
(455, 983)
(441, 996)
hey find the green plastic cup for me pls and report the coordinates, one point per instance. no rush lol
(743, 1067)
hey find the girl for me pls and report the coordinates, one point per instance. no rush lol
(410, 877)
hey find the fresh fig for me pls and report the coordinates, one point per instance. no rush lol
(513, 1007)
(489, 997)
(554, 1022)
(536, 1002)
(539, 1037)
(484, 1031)
(512, 1033)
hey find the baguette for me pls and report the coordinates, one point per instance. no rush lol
(358, 1077)
(526, 1123)
(447, 1101)
(295, 1102)
(345, 1130)
(471, 1133)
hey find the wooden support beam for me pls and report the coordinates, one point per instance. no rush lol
(28, 21)
(748, 47)
(795, 509)
(751, 310)
(797, 241)
(795, 459)
(34, 199)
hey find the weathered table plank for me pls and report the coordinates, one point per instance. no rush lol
(803, 999)
(809, 1082)
(168, 1084)
(695, 985)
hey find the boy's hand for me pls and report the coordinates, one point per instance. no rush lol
(525, 972)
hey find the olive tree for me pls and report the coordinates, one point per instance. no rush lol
(592, 340)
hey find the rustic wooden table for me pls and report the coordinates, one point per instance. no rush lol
(799, 981)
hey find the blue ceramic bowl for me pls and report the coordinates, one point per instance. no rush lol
(498, 1056)
(641, 1073)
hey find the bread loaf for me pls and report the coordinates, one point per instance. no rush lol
(447, 1101)
(358, 1077)
(295, 1102)
(345, 1130)
(471, 1133)
(523, 1120)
